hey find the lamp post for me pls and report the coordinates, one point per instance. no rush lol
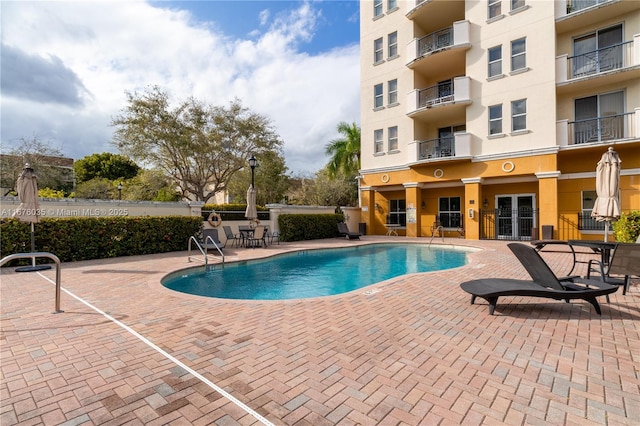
(252, 164)
(120, 191)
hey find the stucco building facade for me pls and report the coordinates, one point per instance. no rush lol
(489, 117)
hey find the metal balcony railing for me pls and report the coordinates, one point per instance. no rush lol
(437, 148)
(435, 41)
(436, 95)
(601, 60)
(587, 223)
(599, 129)
(577, 5)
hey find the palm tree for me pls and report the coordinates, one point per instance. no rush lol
(344, 151)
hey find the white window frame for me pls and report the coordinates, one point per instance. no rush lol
(495, 61)
(393, 138)
(495, 120)
(378, 96)
(378, 141)
(392, 41)
(378, 50)
(392, 88)
(392, 5)
(517, 116)
(517, 4)
(518, 55)
(377, 8)
(494, 8)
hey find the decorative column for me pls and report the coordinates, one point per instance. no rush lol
(413, 199)
(471, 207)
(367, 207)
(548, 202)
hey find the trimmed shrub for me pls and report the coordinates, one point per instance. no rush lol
(299, 227)
(85, 238)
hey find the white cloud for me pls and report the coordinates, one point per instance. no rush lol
(104, 49)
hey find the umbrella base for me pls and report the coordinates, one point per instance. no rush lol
(33, 268)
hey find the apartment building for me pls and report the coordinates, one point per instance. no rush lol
(489, 117)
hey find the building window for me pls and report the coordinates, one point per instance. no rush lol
(495, 61)
(495, 119)
(377, 8)
(393, 44)
(449, 212)
(392, 4)
(377, 141)
(518, 115)
(377, 96)
(495, 8)
(517, 4)
(378, 51)
(393, 138)
(397, 212)
(393, 91)
(600, 118)
(585, 221)
(518, 54)
(598, 52)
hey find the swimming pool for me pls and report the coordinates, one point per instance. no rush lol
(314, 273)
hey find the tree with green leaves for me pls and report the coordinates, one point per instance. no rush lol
(344, 151)
(201, 147)
(271, 180)
(106, 165)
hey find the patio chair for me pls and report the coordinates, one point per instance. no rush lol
(343, 230)
(624, 262)
(437, 228)
(257, 238)
(544, 283)
(235, 238)
(210, 239)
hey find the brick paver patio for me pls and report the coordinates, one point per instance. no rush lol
(411, 350)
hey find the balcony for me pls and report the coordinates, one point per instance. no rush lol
(610, 65)
(455, 37)
(456, 146)
(446, 93)
(598, 130)
(575, 15)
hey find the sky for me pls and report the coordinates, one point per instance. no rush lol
(66, 67)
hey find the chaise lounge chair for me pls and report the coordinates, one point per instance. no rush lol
(343, 230)
(544, 283)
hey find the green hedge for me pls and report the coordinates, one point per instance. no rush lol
(74, 239)
(299, 227)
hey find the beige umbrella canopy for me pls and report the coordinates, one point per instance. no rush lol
(607, 205)
(251, 213)
(27, 188)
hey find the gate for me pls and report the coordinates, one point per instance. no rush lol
(509, 224)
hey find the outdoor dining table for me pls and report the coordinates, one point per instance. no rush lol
(603, 248)
(247, 232)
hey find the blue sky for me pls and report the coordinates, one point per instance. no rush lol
(67, 66)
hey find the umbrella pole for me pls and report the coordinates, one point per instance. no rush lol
(606, 231)
(33, 244)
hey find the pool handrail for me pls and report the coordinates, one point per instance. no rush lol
(203, 250)
(35, 255)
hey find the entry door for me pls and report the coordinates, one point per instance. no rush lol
(515, 216)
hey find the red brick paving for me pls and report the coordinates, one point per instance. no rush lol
(412, 352)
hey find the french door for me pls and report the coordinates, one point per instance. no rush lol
(515, 216)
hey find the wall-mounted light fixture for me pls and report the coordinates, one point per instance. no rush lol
(423, 205)
(378, 208)
(485, 203)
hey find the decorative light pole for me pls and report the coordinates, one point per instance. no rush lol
(120, 191)
(252, 164)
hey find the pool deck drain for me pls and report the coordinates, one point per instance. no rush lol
(414, 353)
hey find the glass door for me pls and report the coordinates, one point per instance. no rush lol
(515, 215)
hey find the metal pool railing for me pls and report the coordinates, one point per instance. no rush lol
(35, 255)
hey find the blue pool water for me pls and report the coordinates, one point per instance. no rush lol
(314, 273)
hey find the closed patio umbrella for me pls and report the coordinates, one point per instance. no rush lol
(29, 209)
(607, 205)
(251, 213)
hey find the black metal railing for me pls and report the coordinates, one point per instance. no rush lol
(435, 41)
(509, 224)
(436, 94)
(437, 148)
(587, 223)
(607, 128)
(602, 60)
